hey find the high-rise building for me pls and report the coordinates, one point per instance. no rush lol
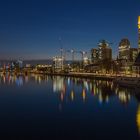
(124, 49)
(126, 52)
(105, 52)
(133, 54)
(94, 55)
(139, 33)
(58, 63)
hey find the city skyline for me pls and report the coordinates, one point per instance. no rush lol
(38, 29)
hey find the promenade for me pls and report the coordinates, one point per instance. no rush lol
(77, 74)
(85, 75)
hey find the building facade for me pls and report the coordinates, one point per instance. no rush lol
(94, 55)
(58, 63)
(133, 54)
(104, 51)
(124, 49)
(126, 52)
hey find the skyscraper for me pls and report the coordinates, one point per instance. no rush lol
(94, 55)
(126, 52)
(105, 51)
(124, 47)
(139, 33)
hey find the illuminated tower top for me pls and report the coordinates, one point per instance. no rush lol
(139, 33)
(138, 22)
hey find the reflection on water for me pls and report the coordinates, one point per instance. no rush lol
(72, 95)
(138, 118)
(71, 90)
(58, 84)
(104, 90)
(84, 94)
(12, 79)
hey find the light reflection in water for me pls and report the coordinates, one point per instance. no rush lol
(68, 81)
(72, 95)
(11, 79)
(61, 97)
(86, 85)
(26, 79)
(19, 81)
(138, 118)
(58, 84)
(101, 89)
(65, 88)
(123, 95)
(84, 95)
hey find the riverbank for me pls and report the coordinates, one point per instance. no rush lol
(76, 74)
(83, 75)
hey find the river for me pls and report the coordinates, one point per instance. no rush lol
(54, 107)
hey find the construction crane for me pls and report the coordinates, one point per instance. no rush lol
(73, 52)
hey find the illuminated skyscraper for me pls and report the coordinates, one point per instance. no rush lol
(105, 52)
(139, 32)
(126, 52)
(124, 47)
(94, 55)
(58, 63)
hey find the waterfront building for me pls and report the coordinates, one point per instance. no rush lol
(104, 51)
(15, 65)
(94, 68)
(127, 56)
(27, 65)
(136, 66)
(133, 54)
(124, 49)
(94, 55)
(19, 63)
(43, 68)
(85, 61)
(58, 63)
(101, 58)
(28, 68)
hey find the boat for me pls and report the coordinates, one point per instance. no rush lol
(128, 81)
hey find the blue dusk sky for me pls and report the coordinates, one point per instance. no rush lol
(37, 29)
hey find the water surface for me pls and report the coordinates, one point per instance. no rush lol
(54, 107)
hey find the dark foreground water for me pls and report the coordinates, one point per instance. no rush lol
(45, 107)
